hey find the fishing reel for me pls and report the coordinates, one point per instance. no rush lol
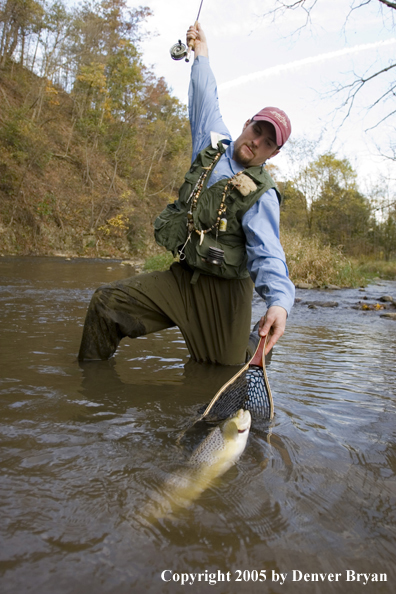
(178, 51)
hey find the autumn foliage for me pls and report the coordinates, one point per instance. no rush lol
(91, 142)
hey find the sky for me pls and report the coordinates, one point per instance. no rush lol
(258, 62)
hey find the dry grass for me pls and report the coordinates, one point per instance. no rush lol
(310, 261)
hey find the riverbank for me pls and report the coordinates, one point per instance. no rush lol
(308, 269)
(311, 265)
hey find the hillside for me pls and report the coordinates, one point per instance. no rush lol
(62, 191)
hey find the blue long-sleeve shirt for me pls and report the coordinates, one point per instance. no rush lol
(266, 259)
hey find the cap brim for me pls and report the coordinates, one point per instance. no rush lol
(278, 132)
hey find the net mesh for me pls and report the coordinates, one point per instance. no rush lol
(248, 391)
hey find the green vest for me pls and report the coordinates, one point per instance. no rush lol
(170, 227)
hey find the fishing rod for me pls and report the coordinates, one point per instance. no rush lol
(179, 50)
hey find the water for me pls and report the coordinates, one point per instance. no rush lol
(83, 450)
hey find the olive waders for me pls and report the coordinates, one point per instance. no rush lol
(213, 314)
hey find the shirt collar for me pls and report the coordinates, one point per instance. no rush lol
(235, 167)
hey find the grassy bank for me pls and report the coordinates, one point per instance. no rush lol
(160, 261)
(309, 261)
(377, 268)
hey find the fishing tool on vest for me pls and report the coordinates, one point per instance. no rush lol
(248, 389)
(179, 50)
(215, 254)
(193, 198)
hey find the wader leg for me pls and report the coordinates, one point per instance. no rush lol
(118, 310)
(213, 314)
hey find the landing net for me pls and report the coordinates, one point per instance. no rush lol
(248, 389)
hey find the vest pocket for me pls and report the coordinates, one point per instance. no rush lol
(170, 228)
(234, 265)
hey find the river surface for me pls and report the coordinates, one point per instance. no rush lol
(84, 449)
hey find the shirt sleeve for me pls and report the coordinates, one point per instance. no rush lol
(203, 106)
(266, 258)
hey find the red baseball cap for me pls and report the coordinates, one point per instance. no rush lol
(278, 119)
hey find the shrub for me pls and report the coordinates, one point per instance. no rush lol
(309, 260)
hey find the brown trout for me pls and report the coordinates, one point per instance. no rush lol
(211, 459)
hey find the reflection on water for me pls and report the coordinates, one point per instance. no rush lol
(82, 449)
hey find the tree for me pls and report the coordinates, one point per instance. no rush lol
(56, 27)
(388, 236)
(294, 208)
(128, 135)
(18, 18)
(323, 198)
(304, 184)
(383, 232)
(359, 82)
(343, 216)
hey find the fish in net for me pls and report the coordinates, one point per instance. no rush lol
(248, 389)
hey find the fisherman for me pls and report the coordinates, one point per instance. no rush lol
(225, 229)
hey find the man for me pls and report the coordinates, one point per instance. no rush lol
(225, 230)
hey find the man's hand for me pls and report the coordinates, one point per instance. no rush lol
(274, 323)
(196, 35)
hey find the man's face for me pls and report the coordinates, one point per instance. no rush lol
(256, 144)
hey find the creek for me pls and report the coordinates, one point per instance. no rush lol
(82, 449)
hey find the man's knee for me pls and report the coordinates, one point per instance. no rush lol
(106, 304)
(102, 296)
(101, 333)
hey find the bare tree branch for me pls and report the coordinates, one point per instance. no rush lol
(282, 7)
(381, 121)
(356, 86)
(388, 3)
(358, 81)
(388, 92)
(356, 8)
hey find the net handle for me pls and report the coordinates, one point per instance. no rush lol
(266, 382)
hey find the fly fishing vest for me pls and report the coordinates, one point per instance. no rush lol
(212, 217)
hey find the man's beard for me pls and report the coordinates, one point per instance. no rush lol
(242, 159)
